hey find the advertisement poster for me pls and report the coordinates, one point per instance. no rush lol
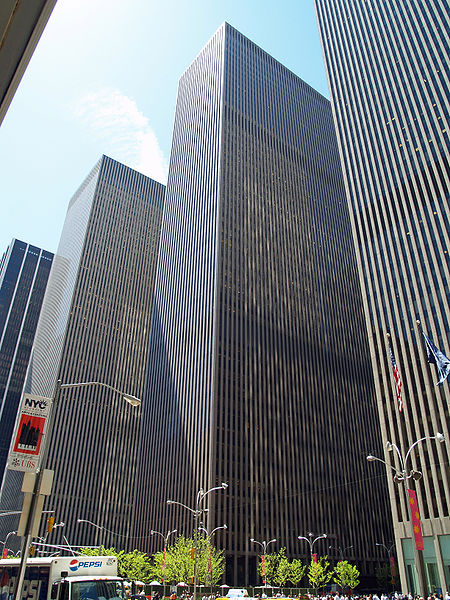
(28, 436)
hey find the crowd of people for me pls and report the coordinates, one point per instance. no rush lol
(324, 596)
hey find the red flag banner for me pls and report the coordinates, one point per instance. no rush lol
(415, 518)
(314, 558)
(393, 567)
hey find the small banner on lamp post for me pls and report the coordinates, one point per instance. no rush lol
(393, 567)
(415, 518)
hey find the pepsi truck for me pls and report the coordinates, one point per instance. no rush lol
(63, 578)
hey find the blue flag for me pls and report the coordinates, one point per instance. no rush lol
(436, 357)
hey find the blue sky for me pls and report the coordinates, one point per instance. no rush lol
(103, 80)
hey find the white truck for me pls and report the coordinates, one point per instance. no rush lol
(63, 578)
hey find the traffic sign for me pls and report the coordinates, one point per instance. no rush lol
(30, 427)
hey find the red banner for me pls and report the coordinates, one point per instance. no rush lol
(393, 567)
(415, 518)
(5, 553)
(314, 558)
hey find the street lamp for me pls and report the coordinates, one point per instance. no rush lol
(310, 540)
(209, 536)
(197, 512)
(166, 540)
(401, 476)
(27, 536)
(340, 550)
(44, 539)
(390, 557)
(6, 539)
(263, 545)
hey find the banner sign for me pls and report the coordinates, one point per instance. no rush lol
(415, 518)
(393, 567)
(30, 427)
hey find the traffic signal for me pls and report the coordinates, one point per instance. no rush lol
(193, 553)
(50, 523)
(31, 550)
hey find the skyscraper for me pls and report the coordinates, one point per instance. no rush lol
(388, 69)
(24, 271)
(21, 26)
(94, 327)
(259, 374)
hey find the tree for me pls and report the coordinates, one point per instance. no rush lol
(319, 573)
(385, 579)
(296, 571)
(179, 565)
(268, 573)
(134, 566)
(282, 572)
(346, 575)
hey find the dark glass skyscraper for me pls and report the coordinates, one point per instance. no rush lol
(259, 372)
(388, 67)
(24, 271)
(94, 327)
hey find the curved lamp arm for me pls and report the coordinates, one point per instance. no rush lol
(127, 397)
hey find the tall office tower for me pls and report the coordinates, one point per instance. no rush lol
(388, 68)
(94, 327)
(24, 271)
(259, 372)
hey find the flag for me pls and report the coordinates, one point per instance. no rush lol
(398, 381)
(435, 356)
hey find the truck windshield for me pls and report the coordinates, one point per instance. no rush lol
(97, 590)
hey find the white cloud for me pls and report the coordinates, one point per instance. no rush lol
(124, 132)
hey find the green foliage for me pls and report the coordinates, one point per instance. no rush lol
(279, 571)
(131, 565)
(271, 563)
(282, 571)
(179, 566)
(296, 571)
(318, 573)
(346, 575)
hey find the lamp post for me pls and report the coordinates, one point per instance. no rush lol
(166, 540)
(44, 539)
(310, 540)
(209, 536)
(340, 550)
(27, 536)
(401, 476)
(6, 540)
(197, 512)
(263, 545)
(390, 557)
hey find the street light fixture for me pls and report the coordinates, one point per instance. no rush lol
(209, 536)
(391, 561)
(166, 540)
(6, 540)
(27, 536)
(263, 545)
(401, 476)
(197, 512)
(340, 550)
(310, 540)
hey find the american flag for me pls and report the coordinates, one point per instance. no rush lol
(398, 381)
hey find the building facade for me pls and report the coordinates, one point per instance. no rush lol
(388, 69)
(259, 373)
(24, 271)
(94, 327)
